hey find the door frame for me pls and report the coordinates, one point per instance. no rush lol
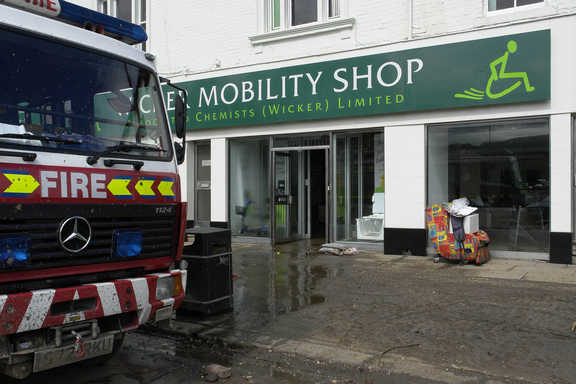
(302, 224)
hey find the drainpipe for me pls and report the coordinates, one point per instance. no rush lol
(410, 18)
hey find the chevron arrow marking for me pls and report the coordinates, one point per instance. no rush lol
(144, 187)
(118, 186)
(22, 184)
(165, 188)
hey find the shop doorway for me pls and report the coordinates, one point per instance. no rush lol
(300, 208)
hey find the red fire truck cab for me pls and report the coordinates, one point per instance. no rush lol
(91, 220)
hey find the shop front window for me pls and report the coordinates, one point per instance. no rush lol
(503, 168)
(249, 197)
(359, 187)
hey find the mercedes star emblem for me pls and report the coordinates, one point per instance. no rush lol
(74, 234)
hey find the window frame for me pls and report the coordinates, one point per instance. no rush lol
(135, 16)
(267, 32)
(285, 14)
(515, 8)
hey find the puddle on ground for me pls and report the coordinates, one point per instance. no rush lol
(276, 281)
(269, 282)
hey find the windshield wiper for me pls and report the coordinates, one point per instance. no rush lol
(40, 138)
(122, 147)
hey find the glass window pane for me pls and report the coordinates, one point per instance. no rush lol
(124, 10)
(333, 8)
(304, 11)
(354, 199)
(275, 14)
(494, 5)
(527, 2)
(340, 188)
(143, 10)
(359, 187)
(103, 6)
(249, 196)
(301, 141)
(97, 108)
(503, 169)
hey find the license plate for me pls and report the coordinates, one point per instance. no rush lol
(57, 357)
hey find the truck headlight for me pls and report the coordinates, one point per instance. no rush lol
(14, 251)
(169, 287)
(165, 288)
(127, 244)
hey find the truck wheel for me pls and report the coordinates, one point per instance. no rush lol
(17, 372)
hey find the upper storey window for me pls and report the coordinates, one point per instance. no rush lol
(497, 5)
(285, 19)
(286, 14)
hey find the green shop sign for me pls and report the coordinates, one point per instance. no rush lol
(500, 70)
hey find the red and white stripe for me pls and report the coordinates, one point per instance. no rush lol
(28, 311)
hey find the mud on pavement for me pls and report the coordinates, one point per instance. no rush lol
(406, 315)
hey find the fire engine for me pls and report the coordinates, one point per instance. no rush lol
(91, 220)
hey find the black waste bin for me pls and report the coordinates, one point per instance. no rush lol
(209, 282)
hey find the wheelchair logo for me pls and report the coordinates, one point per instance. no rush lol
(498, 75)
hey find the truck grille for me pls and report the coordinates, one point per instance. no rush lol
(157, 223)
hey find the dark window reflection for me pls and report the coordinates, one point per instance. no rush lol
(527, 2)
(124, 10)
(249, 198)
(359, 187)
(304, 11)
(504, 169)
(503, 4)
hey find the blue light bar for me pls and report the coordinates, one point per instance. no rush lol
(14, 251)
(127, 244)
(84, 18)
(112, 26)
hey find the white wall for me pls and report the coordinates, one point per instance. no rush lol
(561, 173)
(219, 180)
(434, 17)
(195, 38)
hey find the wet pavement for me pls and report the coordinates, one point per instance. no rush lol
(399, 315)
(301, 317)
(160, 359)
(268, 283)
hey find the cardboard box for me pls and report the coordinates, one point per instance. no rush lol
(471, 223)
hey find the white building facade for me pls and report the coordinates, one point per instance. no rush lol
(344, 120)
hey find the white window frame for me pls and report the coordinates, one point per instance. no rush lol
(515, 8)
(112, 6)
(285, 30)
(135, 16)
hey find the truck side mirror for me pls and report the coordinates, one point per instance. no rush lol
(180, 128)
(180, 117)
(180, 152)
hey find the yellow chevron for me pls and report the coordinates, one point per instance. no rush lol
(144, 186)
(118, 186)
(165, 188)
(21, 183)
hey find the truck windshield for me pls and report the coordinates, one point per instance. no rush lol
(80, 101)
